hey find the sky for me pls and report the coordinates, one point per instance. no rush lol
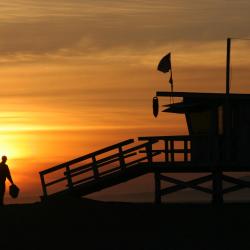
(79, 75)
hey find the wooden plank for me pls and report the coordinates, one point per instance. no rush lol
(188, 184)
(190, 167)
(108, 181)
(235, 180)
(176, 188)
(121, 158)
(166, 151)
(117, 168)
(85, 170)
(233, 189)
(197, 167)
(87, 156)
(139, 147)
(56, 181)
(109, 171)
(97, 162)
(198, 180)
(68, 176)
(100, 163)
(95, 168)
(139, 160)
(84, 180)
(45, 194)
(176, 167)
(179, 151)
(93, 164)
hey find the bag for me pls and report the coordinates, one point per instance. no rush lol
(13, 191)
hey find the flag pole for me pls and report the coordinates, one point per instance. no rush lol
(218, 171)
(171, 81)
(228, 67)
(227, 123)
(172, 85)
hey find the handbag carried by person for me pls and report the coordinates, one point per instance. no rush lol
(13, 191)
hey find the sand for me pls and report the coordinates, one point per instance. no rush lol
(90, 224)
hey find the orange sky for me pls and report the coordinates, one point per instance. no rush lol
(78, 75)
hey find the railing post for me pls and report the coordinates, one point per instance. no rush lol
(166, 151)
(45, 194)
(149, 149)
(69, 179)
(172, 150)
(95, 168)
(217, 196)
(189, 149)
(121, 159)
(149, 153)
(185, 150)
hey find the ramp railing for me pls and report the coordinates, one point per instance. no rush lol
(96, 165)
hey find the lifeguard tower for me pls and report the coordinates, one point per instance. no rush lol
(219, 137)
(218, 141)
(216, 147)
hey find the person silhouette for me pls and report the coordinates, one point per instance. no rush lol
(4, 173)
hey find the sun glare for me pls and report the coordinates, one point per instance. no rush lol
(10, 148)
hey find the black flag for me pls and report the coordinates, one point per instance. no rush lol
(165, 63)
(165, 66)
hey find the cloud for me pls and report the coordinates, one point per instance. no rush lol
(99, 57)
(41, 27)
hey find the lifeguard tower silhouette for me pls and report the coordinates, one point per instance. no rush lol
(218, 143)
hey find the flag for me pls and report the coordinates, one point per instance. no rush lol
(165, 66)
(165, 63)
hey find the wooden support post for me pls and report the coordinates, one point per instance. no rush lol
(149, 149)
(157, 188)
(166, 151)
(45, 194)
(217, 196)
(69, 179)
(95, 168)
(121, 159)
(172, 150)
(185, 150)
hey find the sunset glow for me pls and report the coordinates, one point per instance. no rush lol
(80, 75)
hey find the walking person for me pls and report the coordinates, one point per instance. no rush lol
(4, 173)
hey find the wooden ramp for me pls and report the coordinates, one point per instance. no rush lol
(98, 170)
(160, 155)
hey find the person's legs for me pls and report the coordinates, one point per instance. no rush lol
(2, 191)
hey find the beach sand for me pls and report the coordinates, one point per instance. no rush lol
(90, 224)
